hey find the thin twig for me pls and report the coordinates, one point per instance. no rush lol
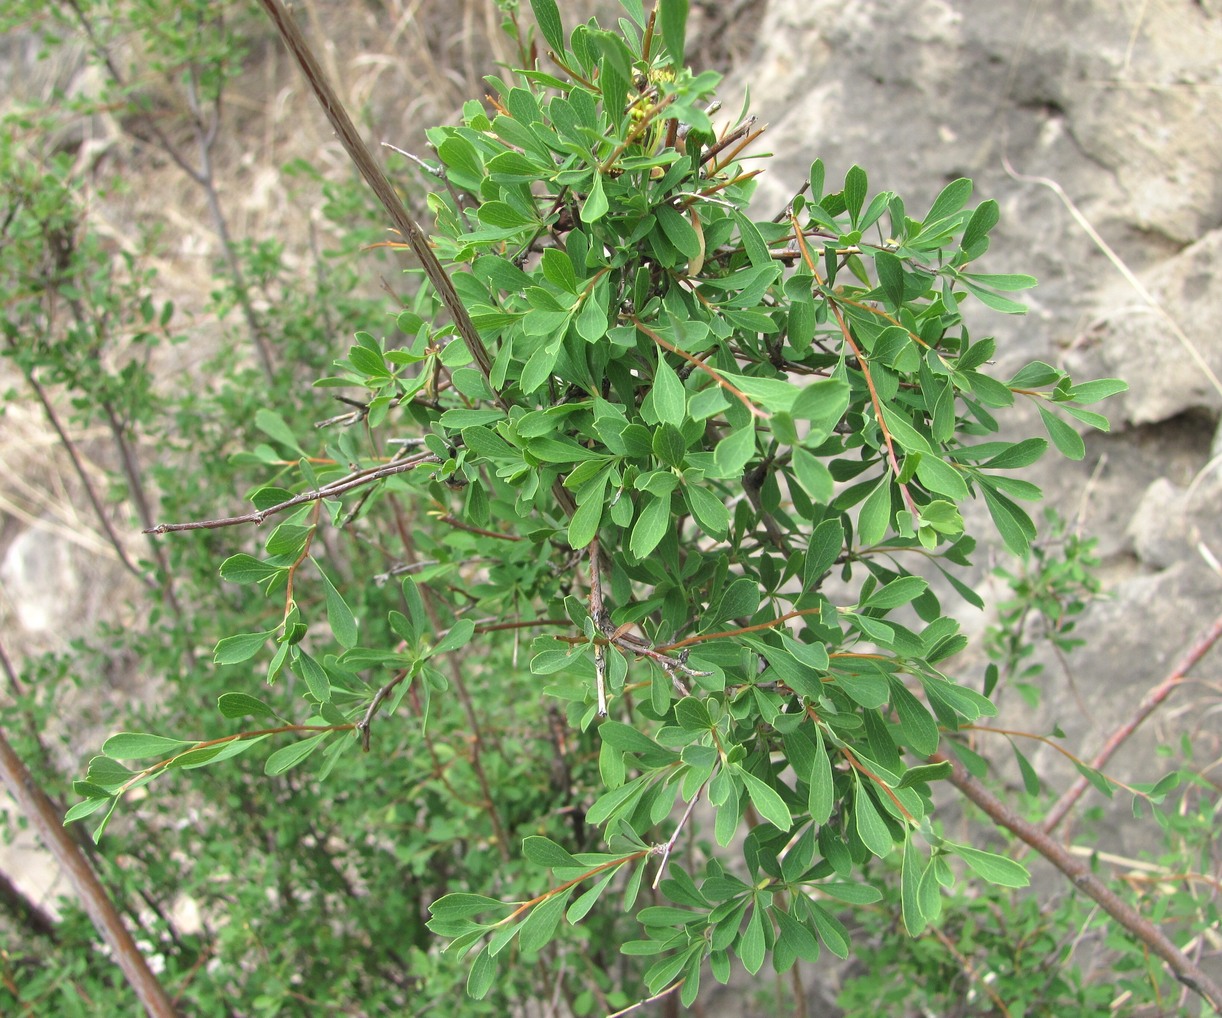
(1149, 704)
(648, 1000)
(697, 363)
(339, 487)
(599, 613)
(674, 838)
(1181, 336)
(1080, 874)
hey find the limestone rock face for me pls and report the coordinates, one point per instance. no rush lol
(1119, 106)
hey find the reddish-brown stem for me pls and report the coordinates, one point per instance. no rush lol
(600, 868)
(865, 371)
(771, 623)
(50, 827)
(1080, 875)
(238, 737)
(1018, 734)
(861, 768)
(697, 363)
(1149, 704)
(305, 550)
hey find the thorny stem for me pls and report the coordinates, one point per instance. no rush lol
(1080, 874)
(1149, 703)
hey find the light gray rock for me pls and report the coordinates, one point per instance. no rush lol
(1171, 366)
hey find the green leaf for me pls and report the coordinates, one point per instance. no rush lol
(1064, 437)
(290, 756)
(243, 568)
(650, 526)
(975, 234)
(339, 615)
(274, 426)
(796, 937)
(925, 773)
(545, 852)
(911, 868)
(875, 515)
(140, 745)
(672, 15)
(822, 786)
(899, 591)
(953, 197)
(917, 726)
(871, 827)
(1092, 392)
(540, 926)
(766, 801)
(710, 512)
(315, 678)
(855, 184)
(693, 715)
(996, 869)
(891, 276)
(826, 544)
(940, 478)
(596, 205)
(751, 944)
(679, 231)
(459, 636)
(583, 527)
(669, 398)
(734, 452)
(586, 901)
(483, 968)
(234, 650)
(1014, 525)
(243, 705)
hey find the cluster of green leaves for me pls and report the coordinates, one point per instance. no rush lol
(727, 419)
(717, 459)
(266, 876)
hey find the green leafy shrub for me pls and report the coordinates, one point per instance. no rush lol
(610, 605)
(709, 450)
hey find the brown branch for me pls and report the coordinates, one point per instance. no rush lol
(1149, 704)
(344, 484)
(49, 825)
(360, 155)
(1080, 875)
